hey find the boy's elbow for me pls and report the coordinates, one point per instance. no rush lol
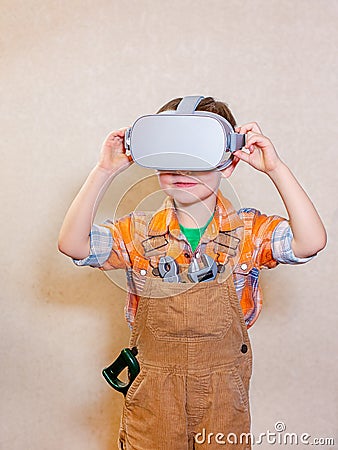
(77, 252)
(324, 242)
(318, 248)
(310, 248)
(62, 247)
(321, 241)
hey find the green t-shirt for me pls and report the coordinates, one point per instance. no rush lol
(194, 235)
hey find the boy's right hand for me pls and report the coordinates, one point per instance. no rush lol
(113, 156)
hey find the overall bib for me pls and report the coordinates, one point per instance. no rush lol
(196, 364)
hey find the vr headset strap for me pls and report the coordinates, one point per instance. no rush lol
(188, 104)
(236, 141)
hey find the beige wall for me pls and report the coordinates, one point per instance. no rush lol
(73, 71)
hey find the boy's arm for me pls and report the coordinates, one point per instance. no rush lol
(309, 235)
(74, 237)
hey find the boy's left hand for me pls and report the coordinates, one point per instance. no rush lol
(263, 155)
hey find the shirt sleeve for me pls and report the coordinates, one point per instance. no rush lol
(281, 245)
(260, 227)
(101, 244)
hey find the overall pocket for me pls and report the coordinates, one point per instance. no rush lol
(200, 314)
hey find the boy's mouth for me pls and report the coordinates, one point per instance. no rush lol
(184, 184)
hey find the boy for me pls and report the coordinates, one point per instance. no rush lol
(191, 334)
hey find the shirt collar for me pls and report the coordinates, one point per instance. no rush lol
(165, 219)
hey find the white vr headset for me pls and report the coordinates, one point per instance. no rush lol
(184, 139)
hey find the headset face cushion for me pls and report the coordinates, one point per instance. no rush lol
(180, 142)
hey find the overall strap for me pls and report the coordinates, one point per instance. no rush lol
(152, 247)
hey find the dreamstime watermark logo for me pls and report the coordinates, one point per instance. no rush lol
(279, 436)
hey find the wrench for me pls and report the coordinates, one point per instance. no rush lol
(168, 269)
(207, 272)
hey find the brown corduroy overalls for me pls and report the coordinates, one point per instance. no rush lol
(196, 364)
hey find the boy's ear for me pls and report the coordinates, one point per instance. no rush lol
(228, 170)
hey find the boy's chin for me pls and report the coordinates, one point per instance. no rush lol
(184, 197)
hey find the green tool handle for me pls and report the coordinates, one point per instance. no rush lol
(127, 358)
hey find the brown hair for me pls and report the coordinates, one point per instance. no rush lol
(206, 104)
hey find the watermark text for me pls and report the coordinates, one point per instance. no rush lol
(279, 436)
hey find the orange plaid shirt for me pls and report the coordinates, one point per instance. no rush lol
(139, 240)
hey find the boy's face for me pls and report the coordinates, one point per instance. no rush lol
(188, 188)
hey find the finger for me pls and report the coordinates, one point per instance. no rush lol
(235, 161)
(117, 133)
(122, 131)
(242, 155)
(251, 126)
(249, 134)
(257, 139)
